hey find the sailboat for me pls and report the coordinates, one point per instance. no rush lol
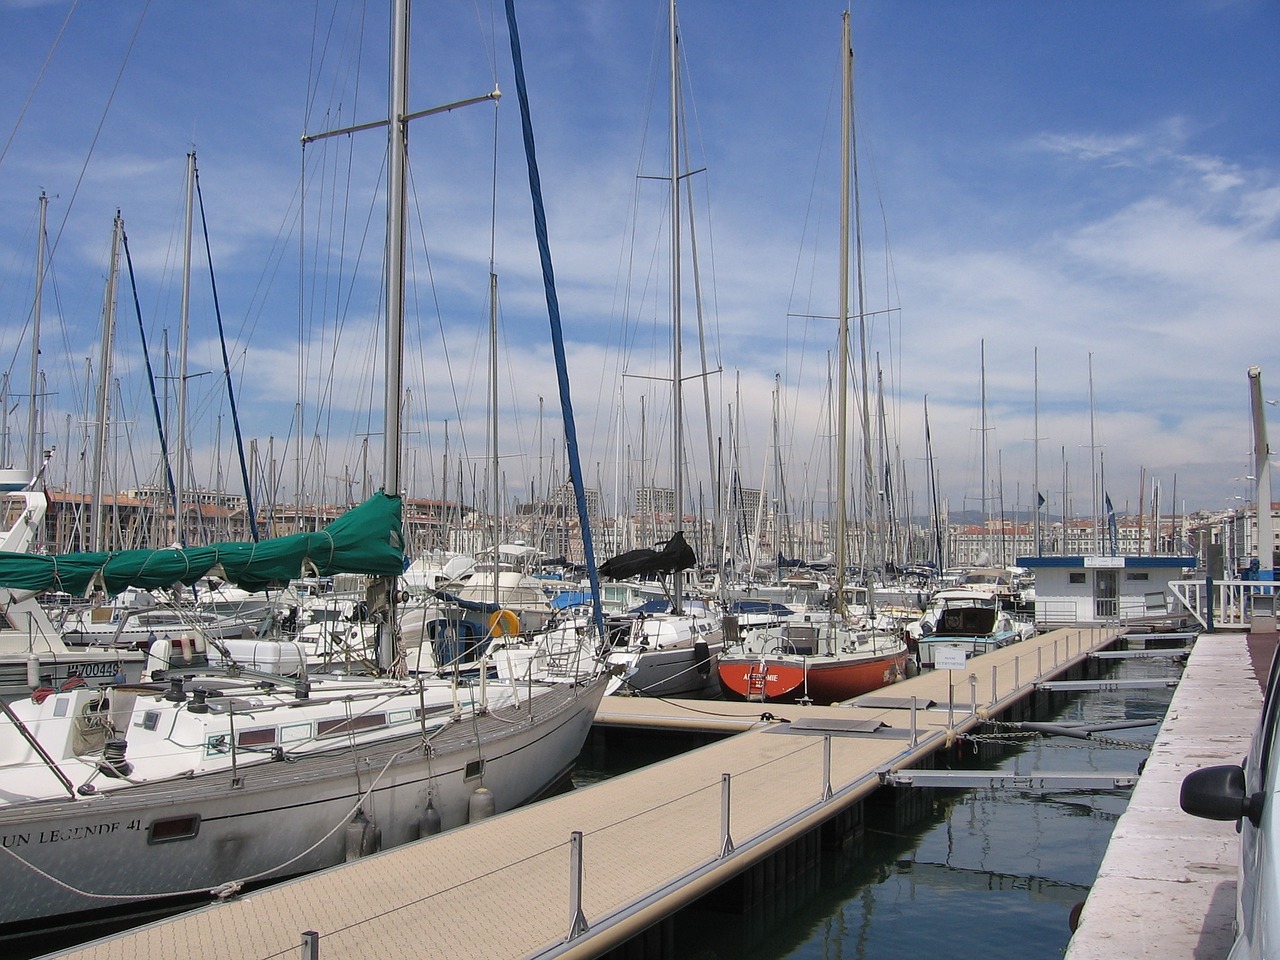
(212, 779)
(832, 657)
(34, 657)
(668, 646)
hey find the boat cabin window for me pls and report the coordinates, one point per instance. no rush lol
(474, 769)
(336, 728)
(262, 737)
(175, 828)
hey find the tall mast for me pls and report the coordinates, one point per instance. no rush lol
(986, 517)
(870, 538)
(1093, 465)
(1262, 473)
(33, 411)
(842, 362)
(184, 317)
(397, 164)
(777, 478)
(933, 491)
(100, 425)
(677, 405)
(1035, 448)
(493, 420)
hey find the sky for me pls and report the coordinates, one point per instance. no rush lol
(1070, 209)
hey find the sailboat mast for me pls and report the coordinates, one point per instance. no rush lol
(397, 168)
(842, 363)
(986, 518)
(1093, 466)
(677, 405)
(493, 419)
(1035, 446)
(1262, 475)
(33, 412)
(933, 491)
(184, 317)
(871, 553)
(100, 424)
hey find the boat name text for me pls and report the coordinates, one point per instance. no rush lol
(11, 841)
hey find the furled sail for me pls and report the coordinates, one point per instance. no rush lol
(367, 539)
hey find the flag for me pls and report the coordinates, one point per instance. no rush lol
(1039, 500)
(1113, 528)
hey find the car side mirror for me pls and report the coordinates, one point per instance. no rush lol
(1218, 793)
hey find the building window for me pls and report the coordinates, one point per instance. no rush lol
(1078, 577)
(1137, 576)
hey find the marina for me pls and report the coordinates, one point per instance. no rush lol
(701, 818)
(341, 630)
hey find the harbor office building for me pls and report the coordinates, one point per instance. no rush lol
(1095, 589)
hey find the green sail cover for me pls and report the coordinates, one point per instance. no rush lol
(367, 539)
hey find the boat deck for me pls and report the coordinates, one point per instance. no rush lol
(652, 841)
(1167, 885)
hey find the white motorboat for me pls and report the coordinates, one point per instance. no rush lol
(973, 619)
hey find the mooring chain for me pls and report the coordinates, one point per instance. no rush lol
(1012, 735)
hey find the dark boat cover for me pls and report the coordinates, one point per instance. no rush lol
(675, 555)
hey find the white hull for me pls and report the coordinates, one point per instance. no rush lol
(285, 818)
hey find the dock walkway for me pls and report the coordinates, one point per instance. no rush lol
(651, 841)
(1167, 884)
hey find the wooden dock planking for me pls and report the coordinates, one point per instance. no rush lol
(652, 839)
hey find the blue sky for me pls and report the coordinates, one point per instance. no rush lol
(1055, 179)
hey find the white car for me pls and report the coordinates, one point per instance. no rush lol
(1248, 795)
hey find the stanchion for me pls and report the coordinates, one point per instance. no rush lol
(310, 945)
(826, 767)
(726, 840)
(577, 919)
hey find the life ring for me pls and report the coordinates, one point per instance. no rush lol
(503, 623)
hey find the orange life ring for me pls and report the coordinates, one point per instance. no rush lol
(504, 623)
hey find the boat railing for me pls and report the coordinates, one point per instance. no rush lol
(1225, 604)
(1052, 613)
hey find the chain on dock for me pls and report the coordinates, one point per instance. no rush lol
(1009, 733)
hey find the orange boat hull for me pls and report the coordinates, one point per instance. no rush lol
(823, 680)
